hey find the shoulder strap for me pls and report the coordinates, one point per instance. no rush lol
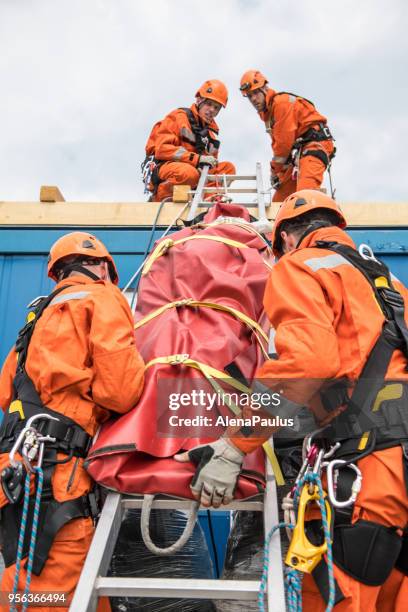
(378, 275)
(288, 93)
(393, 336)
(24, 335)
(201, 133)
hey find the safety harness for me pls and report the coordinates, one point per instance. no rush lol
(201, 139)
(376, 418)
(69, 439)
(317, 133)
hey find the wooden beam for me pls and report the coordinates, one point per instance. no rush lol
(51, 193)
(91, 214)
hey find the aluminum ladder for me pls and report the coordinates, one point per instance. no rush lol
(93, 582)
(224, 188)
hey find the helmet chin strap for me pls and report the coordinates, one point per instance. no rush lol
(313, 225)
(76, 267)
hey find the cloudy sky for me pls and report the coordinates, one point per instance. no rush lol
(83, 81)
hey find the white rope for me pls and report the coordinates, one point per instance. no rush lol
(145, 528)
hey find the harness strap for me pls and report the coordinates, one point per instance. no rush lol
(56, 516)
(71, 438)
(362, 406)
(201, 133)
(24, 335)
(320, 155)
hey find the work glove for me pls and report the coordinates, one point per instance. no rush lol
(207, 160)
(218, 467)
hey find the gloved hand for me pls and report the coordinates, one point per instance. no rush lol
(207, 160)
(218, 468)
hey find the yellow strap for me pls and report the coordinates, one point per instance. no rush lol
(214, 305)
(17, 406)
(273, 460)
(205, 369)
(389, 392)
(165, 245)
(226, 400)
(242, 224)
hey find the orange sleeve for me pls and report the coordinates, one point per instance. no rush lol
(6, 380)
(118, 366)
(298, 307)
(283, 131)
(169, 142)
(305, 340)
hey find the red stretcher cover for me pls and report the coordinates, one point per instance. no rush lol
(130, 455)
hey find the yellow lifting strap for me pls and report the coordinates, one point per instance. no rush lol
(205, 369)
(165, 245)
(273, 460)
(242, 224)
(253, 325)
(212, 375)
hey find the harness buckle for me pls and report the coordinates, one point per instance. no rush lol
(326, 131)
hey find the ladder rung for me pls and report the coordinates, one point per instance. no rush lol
(235, 177)
(230, 190)
(179, 587)
(207, 204)
(185, 504)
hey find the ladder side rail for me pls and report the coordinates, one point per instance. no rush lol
(99, 555)
(276, 585)
(260, 193)
(198, 196)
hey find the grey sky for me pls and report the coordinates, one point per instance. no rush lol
(84, 81)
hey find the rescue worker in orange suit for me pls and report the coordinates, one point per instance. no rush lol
(187, 139)
(342, 351)
(76, 361)
(302, 143)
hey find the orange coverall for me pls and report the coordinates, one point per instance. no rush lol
(84, 364)
(327, 321)
(175, 145)
(286, 118)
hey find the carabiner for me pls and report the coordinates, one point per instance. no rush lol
(23, 433)
(366, 252)
(355, 488)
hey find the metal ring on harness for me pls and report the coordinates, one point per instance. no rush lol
(183, 539)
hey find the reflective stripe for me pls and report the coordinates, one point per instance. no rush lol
(187, 135)
(279, 159)
(69, 296)
(327, 262)
(292, 98)
(272, 346)
(179, 153)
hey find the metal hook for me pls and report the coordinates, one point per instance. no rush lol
(23, 433)
(355, 489)
(366, 252)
